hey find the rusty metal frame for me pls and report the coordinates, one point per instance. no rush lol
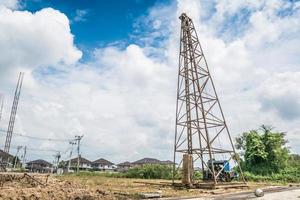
(194, 105)
(13, 113)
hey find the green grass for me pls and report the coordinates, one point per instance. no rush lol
(289, 175)
(99, 174)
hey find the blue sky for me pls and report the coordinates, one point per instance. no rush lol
(101, 22)
(122, 96)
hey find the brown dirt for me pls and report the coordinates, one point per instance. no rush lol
(97, 187)
(55, 189)
(130, 188)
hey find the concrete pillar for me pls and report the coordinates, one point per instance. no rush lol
(187, 170)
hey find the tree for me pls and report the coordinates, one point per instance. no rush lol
(264, 150)
(294, 161)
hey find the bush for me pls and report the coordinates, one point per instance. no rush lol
(156, 171)
(289, 175)
(144, 172)
(265, 151)
(150, 172)
(100, 174)
(198, 175)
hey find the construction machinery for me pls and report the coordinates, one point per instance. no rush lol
(202, 136)
(223, 167)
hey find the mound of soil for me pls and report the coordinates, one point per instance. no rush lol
(54, 189)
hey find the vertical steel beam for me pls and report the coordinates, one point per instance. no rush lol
(13, 113)
(1, 105)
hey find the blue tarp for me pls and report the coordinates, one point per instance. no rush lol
(227, 167)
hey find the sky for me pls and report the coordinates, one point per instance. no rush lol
(95, 23)
(109, 71)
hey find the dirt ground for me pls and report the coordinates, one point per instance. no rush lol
(55, 189)
(97, 187)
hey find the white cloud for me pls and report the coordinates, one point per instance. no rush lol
(123, 100)
(281, 94)
(12, 4)
(117, 108)
(80, 15)
(32, 40)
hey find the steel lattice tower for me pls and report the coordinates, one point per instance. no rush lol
(201, 130)
(13, 113)
(1, 105)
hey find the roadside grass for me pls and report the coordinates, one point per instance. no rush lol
(132, 187)
(289, 175)
(284, 177)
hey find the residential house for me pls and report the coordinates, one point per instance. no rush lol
(84, 164)
(5, 158)
(125, 166)
(167, 162)
(146, 161)
(153, 161)
(103, 165)
(40, 166)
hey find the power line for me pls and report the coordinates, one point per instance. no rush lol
(35, 149)
(38, 138)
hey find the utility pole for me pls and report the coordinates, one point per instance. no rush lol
(57, 158)
(77, 139)
(15, 161)
(55, 162)
(24, 155)
(71, 152)
(13, 113)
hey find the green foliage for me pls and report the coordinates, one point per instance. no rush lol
(100, 174)
(289, 175)
(294, 161)
(20, 169)
(156, 172)
(265, 151)
(150, 172)
(62, 164)
(198, 175)
(144, 172)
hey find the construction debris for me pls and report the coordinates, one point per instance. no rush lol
(150, 195)
(259, 192)
(22, 177)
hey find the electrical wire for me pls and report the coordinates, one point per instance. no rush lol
(38, 138)
(33, 149)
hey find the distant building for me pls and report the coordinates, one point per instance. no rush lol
(197, 169)
(84, 164)
(103, 165)
(5, 158)
(167, 162)
(147, 161)
(40, 166)
(125, 166)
